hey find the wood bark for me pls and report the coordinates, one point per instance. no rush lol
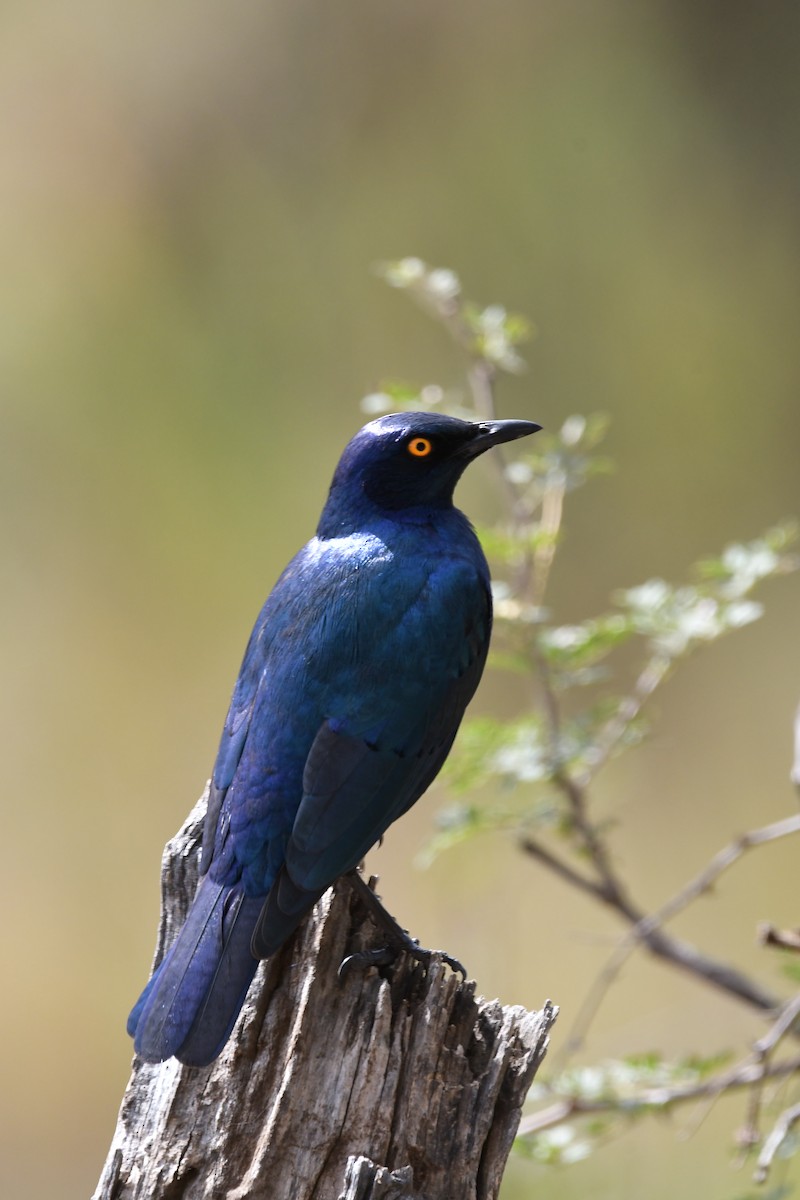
(394, 1084)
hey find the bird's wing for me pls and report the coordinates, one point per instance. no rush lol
(355, 786)
(234, 734)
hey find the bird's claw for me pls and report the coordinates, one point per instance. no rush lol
(363, 959)
(401, 940)
(424, 956)
(454, 964)
(383, 956)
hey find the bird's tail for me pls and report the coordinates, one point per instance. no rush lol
(189, 1007)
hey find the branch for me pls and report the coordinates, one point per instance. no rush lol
(783, 1025)
(629, 709)
(762, 1050)
(742, 1076)
(647, 928)
(609, 890)
(561, 868)
(753, 1073)
(780, 1131)
(720, 863)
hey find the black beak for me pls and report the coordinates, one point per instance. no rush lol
(492, 433)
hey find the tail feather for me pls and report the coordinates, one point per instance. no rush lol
(282, 911)
(136, 1012)
(217, 1015)
(191, 1003)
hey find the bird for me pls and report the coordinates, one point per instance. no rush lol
(351, 690)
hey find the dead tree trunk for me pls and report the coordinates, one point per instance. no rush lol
(399, 1084)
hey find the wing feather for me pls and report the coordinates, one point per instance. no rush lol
(354, 787)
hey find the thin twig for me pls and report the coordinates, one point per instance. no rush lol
(742, 1075)
(773, 1142)
(629, 709)
(784, 939)
(481, 376)
(608, 886)
(532, 583)
(762, 1049)
(722, 860)
(549, 526)
(647, 928)
(783, 1025)
(559, 867)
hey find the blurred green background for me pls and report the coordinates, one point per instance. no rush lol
(193, 195)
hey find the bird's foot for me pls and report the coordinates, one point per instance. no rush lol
(401, 940)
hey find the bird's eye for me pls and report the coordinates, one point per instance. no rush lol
(420, 447)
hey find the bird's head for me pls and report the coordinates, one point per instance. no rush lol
(409, 461)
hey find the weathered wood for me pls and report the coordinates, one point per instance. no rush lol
(364, 1180)
(397, 1084)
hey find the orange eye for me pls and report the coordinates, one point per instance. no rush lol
(420, 447)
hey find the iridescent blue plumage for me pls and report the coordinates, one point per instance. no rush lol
(352, 688)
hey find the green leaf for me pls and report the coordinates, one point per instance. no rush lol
(791, 969)
(456, 823)
(742, 565)
(496, 334)
(478, 741)
(568, 647)
(559, 1146)
(675, 619)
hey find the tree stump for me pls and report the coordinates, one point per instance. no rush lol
(398, 1083)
